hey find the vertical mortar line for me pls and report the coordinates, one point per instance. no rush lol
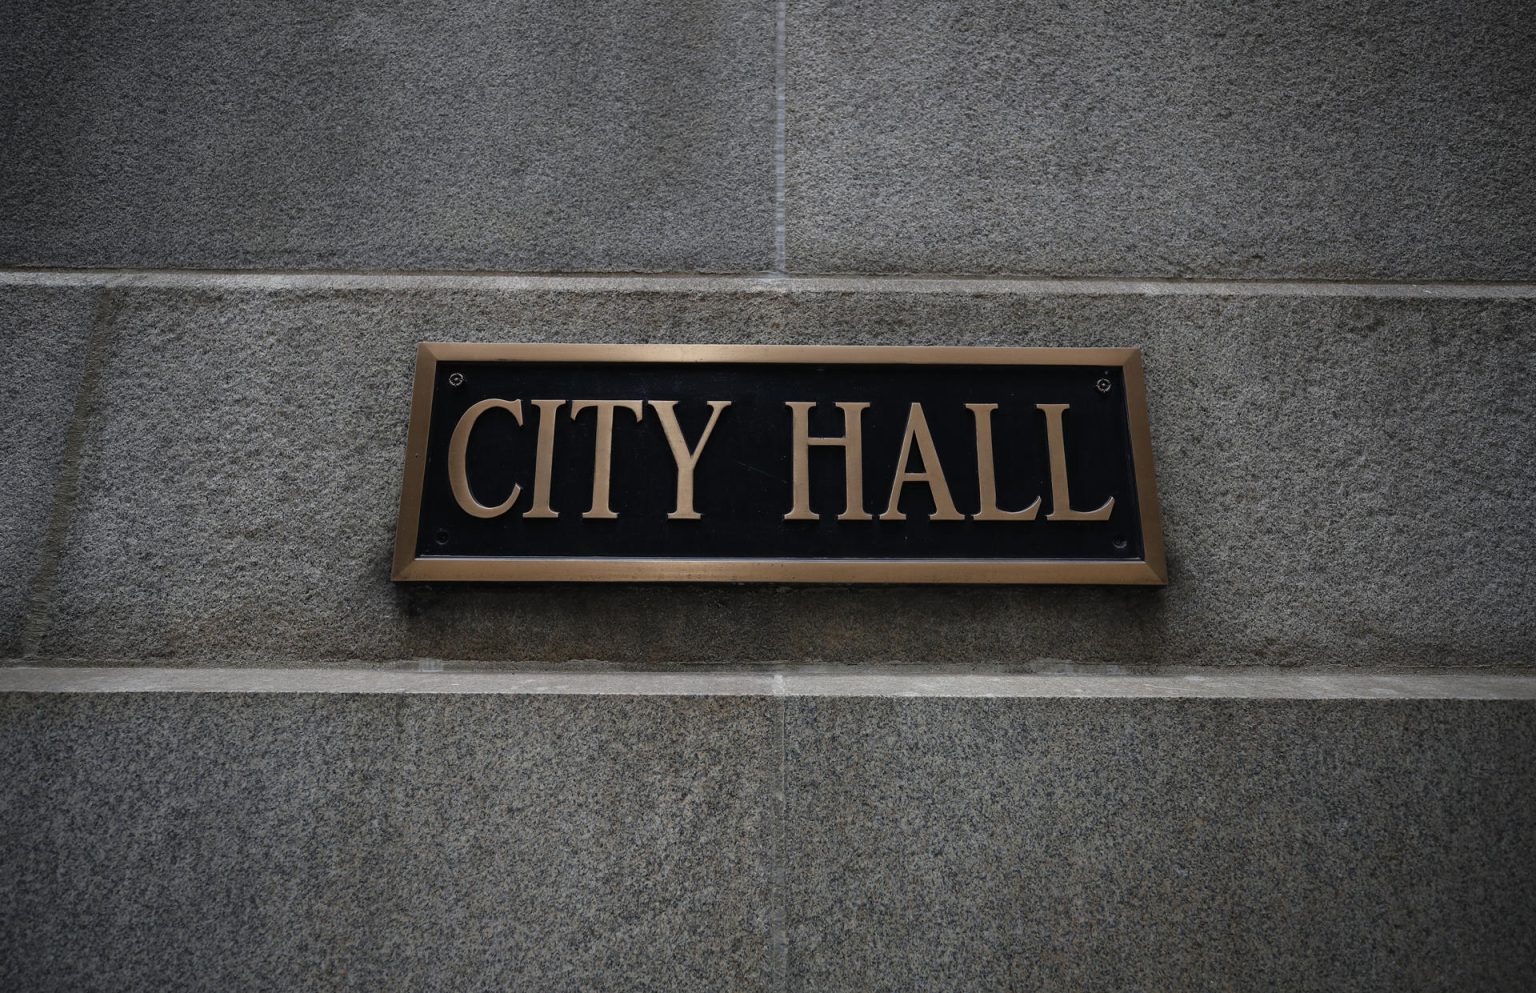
(66, 491)
(780, 120)
(781, 854)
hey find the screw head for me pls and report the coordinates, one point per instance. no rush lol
(456, 379)
(1102, 386)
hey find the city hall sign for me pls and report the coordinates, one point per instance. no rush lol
(779, 464)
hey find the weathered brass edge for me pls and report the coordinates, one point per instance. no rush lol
(1151, 571)
(784, 570)
(821, 354)
(415, 462)
(1146, 471)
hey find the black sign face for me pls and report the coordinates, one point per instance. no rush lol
(781, 464)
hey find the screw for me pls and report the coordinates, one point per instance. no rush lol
(457, 379)
(441, 537)
(1121, 544)
(1102, 386)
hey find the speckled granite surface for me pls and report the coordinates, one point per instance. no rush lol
(1161, 845)
(1347, 480)
(1269, 138)
(762, 788)
(164, 842)
(435, 134)
(299, 841)
(43, 335)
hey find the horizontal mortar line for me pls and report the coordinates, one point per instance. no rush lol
(300, 279)
(1276, 685)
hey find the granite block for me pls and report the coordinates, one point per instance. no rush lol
(571, 841)
(1267, 139)
(290, 842)
(443, 135)
(1347, 480)
(970, 845)
(43, 336)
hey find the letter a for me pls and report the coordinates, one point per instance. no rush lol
(932, 474)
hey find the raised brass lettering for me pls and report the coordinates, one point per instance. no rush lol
(687, 461)
(602, 454)
(1061, 498)
(544, 465)
(932, 475)
(986, 471)
(458, 445)
(852, 444)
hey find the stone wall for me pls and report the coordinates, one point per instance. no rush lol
(243, 758)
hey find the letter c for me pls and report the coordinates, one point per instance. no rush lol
(460, 444)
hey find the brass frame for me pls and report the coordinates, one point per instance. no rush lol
(1152, 570)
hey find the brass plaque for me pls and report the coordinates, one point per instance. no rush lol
(732, 463)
